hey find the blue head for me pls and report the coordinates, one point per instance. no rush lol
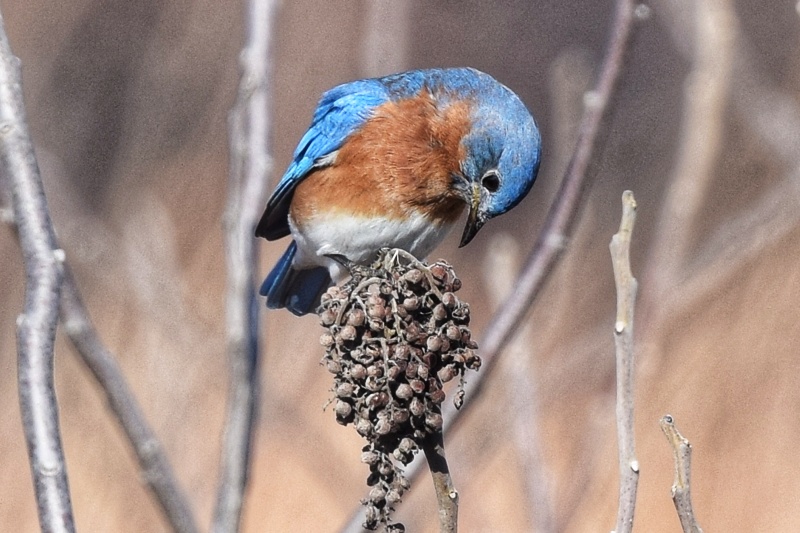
(502, 153)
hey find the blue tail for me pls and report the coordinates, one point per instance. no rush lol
(298, 291)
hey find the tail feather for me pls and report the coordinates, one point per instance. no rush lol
(298, 291)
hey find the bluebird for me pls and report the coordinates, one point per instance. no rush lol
(393, 162)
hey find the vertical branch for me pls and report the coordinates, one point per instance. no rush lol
(681, 488)
(250, 163)
(156, 470)
(36, 326)
(446, 493)
(623, 338)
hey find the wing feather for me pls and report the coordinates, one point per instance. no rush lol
(340, 112)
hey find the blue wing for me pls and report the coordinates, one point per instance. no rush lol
(340, 112)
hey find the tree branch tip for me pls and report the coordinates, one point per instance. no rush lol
(619, 327)
(59, 255)
(634, 466)
(628, 199)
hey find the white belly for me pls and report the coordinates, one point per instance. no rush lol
(359, 238)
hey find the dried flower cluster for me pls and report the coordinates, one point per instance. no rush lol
(396, 334)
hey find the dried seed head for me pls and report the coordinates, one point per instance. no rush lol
(395, 333)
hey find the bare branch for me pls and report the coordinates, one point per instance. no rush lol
(446, 494)
(36, 326)
(557, 227)
(623, 338)
(156, 469)
(681, 488)
(250, 164)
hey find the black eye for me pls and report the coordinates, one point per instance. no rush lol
(491, 181)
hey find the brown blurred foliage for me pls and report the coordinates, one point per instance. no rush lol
(127, 102)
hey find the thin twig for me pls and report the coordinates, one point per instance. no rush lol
(623, 338)
(681, 488)
(36, 326)
(446, 494)
(156, 469)
(557, 226)
(250, 163)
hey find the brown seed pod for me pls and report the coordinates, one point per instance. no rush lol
(404, 391)
(348, 333)
(394, 334)
(450, 300)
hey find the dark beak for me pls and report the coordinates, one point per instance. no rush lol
(475, 219)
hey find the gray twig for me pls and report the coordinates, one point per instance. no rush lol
(446, 494)
(156, 469)
(557, 226)
(623, 337)
(250, 163)
(681, 488)
(36, 326)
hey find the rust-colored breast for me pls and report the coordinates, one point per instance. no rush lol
(401, 160)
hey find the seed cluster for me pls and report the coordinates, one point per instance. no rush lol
(396, 332)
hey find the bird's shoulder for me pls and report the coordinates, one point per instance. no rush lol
(340, 112)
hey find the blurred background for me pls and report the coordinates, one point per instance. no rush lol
(128, 102)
